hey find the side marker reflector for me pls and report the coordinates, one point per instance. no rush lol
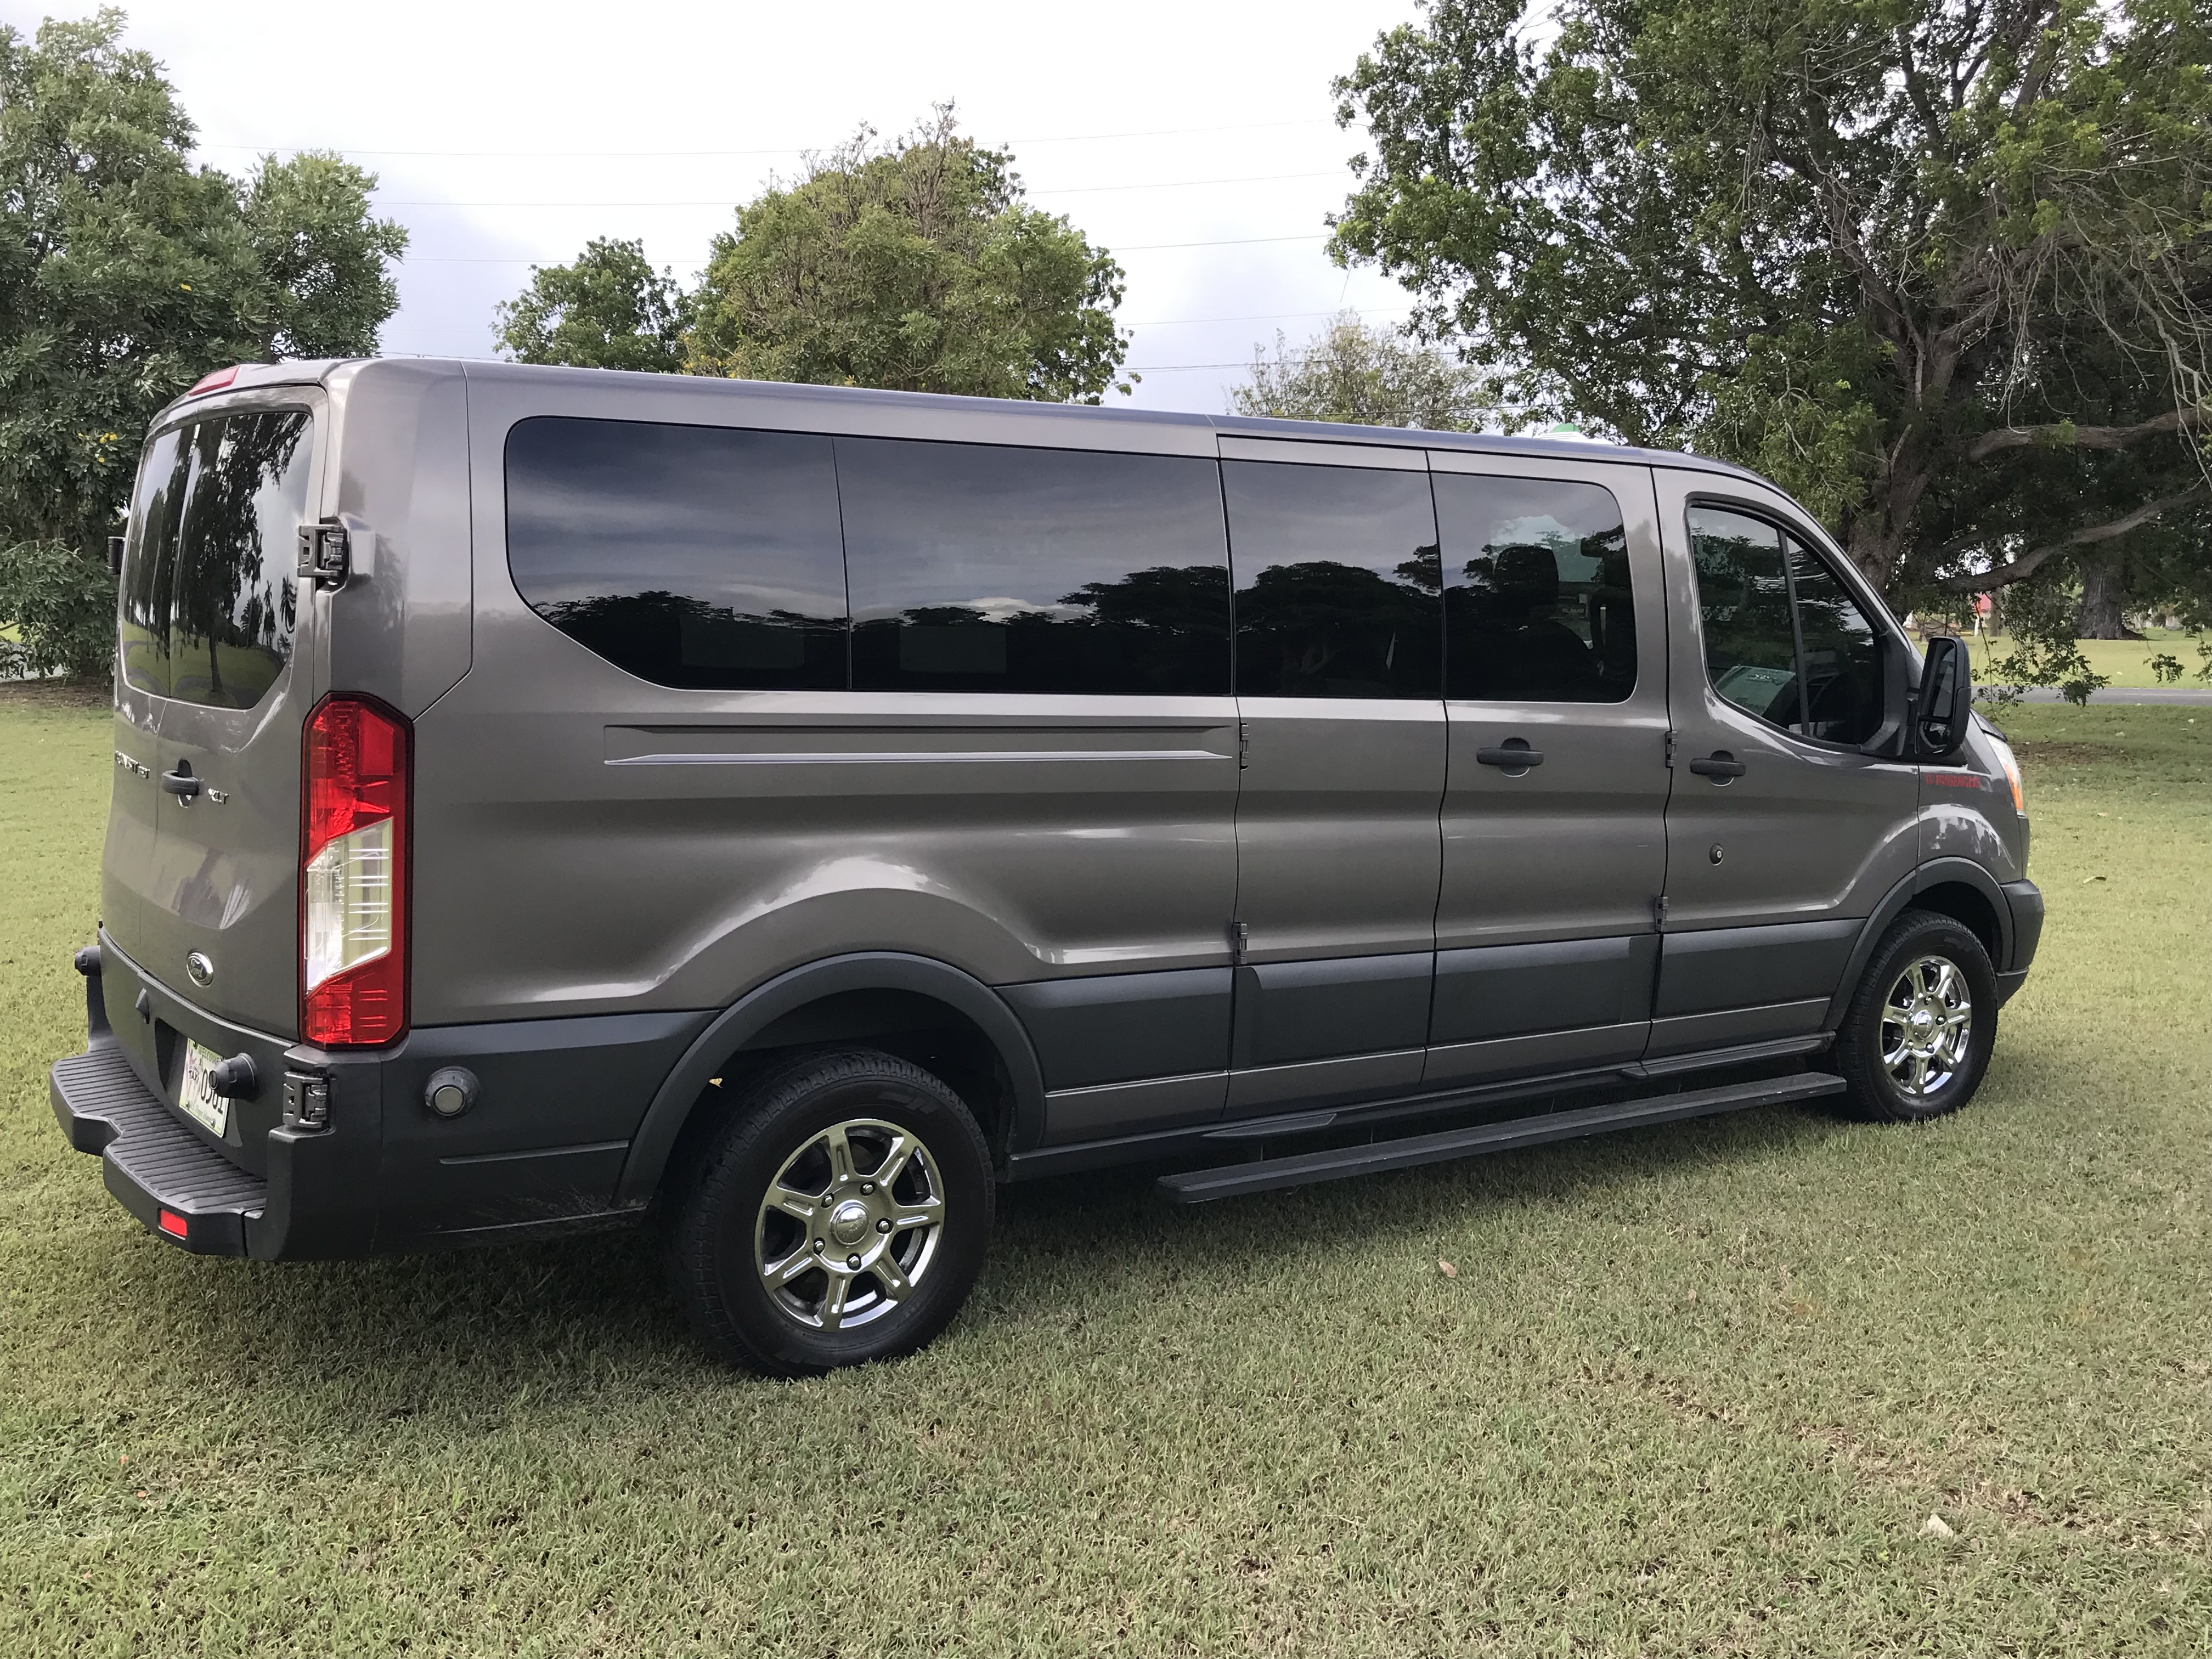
(175, 1224)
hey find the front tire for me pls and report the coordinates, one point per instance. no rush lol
(838, 1214)
(1917, 1037)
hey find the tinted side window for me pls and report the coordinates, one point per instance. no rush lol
(1537, 601)
(691, 555)
(1337, 582)
(981, 568)
(1842, 657)
(233, 582)
(1743, 607)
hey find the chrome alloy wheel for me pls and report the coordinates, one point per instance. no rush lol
(850, 1224)
(1927, 1025)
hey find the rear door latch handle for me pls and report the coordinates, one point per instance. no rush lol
(1514, 755)
(181, 782)
(1718, 765)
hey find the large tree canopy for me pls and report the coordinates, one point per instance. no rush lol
(1941, 267)
(126, 271)
(1370, 376)
(918, 268)
(611, 309)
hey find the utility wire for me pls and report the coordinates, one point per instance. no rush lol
(616, 155)
(1140, 248)
(725, 202)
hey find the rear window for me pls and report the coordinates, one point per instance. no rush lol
(207, 590)
(691, 556)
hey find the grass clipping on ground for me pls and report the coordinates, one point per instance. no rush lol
(1697, 1389)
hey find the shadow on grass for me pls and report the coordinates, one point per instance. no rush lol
(464, 1331)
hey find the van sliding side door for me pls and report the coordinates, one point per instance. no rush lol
(1332, 550)
(1555, 649)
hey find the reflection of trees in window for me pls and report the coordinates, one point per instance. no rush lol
(1325, 629)
(1547, 617)
(1743, 605)
(233, 586)
(145, 587)
(680, 639)
(1162, 631)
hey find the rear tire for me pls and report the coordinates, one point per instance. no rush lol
(838, 1214)
(1917, 1037)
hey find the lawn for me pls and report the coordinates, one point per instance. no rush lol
(1694, 1390)
(2126, 663)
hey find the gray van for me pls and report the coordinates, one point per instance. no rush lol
(546, 799)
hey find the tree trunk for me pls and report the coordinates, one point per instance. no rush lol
(2104, 596)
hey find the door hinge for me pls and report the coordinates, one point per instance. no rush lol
(1243, 745)
(1240, 937)
(1659, 909)
(326, 553)
(1670, 751)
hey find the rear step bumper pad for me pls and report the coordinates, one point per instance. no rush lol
(1377, 1158)
(150, 1162)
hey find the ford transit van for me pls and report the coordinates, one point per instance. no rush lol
(551, 799)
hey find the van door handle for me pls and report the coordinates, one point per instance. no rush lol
(181, 782)
(1514, 755)
(1718, 765)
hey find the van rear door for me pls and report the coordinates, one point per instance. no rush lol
(217, 918)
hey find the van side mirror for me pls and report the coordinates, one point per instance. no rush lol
(1943, 708)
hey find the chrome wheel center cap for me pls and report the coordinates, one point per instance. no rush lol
(848, 1222)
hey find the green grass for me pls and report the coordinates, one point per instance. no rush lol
(1691, 1391)
(2126, 663)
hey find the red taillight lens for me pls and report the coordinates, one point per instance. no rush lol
(353, 874)
(213, 382)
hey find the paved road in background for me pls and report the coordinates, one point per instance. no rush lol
(2175, 694)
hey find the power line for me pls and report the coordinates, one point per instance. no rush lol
(646, 154)
(1142, 247)
(725, 202)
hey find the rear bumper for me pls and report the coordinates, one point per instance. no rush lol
(179, 1188)
(539, 1150)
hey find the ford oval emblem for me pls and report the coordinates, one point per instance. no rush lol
(200, 968)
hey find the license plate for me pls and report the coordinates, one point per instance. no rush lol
(197, 1097)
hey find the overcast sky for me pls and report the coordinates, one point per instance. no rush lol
(1194, 140)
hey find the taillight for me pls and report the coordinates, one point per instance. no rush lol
(353, 874)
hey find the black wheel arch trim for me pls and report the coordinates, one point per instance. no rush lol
(1937, 872)
(867, 970)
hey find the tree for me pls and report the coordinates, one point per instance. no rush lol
(610, 309)
(919, 267)
(1369, 376)
(126, 273)
(1941, 267)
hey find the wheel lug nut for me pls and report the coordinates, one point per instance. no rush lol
(851, 1262)
(867, 1186)
(884, 1226)
(818, 1247)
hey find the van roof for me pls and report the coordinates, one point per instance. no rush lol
(307, 371)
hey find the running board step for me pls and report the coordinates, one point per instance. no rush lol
(1270, 1175)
